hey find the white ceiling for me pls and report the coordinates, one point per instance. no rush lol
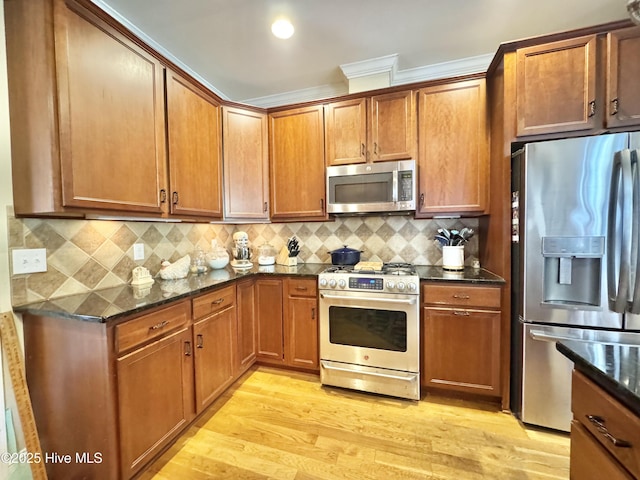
(228, 44)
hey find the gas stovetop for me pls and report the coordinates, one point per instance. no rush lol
(371, 276)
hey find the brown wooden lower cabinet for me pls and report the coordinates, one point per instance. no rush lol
(246, 310)
(287, 321)
(461, 338)
(605, 434)
(155, 398)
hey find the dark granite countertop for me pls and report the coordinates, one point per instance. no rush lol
(111, 304)
(615, 368)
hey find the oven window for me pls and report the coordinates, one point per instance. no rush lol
(370, 328)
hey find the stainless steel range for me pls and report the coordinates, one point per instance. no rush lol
(370, 328)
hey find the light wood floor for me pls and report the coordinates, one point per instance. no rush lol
(275, 424)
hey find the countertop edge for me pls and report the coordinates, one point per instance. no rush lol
(196, 285)
(614, 388)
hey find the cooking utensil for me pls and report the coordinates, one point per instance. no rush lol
(441, 240)
(345, 256)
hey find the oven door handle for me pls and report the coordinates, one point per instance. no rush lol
(408, 301)
(377, 374)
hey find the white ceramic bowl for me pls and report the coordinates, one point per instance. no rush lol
(219, 262)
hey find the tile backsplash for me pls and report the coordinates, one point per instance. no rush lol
(85, 255)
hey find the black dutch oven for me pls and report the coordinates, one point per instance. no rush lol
(345, 256)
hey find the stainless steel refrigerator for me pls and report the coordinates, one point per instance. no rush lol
(575, 241)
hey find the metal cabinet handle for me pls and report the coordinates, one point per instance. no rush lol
(422, 199)
(301, 289)
(375, 148)
(362, 149)
(461, 296)
(265, 207)
(322, 205)
(592, 108)
(160, 325)
(199, 341)
(313, 313)
(461, 313)
(187, 349)
(163, 195)
(175, 198)
(614, 106)
(598, 422)
(217, 302)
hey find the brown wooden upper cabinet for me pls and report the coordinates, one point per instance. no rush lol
(453, 154)
(86, 112)
(195, 163)
(623, 70)
(246, 164)
(373, 129)
(297, 177)
(561, 86)
(556, 86)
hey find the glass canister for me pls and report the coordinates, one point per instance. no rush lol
(266, 254)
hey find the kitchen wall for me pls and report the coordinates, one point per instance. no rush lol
(84, 255)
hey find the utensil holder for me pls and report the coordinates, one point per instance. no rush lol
(453, 257)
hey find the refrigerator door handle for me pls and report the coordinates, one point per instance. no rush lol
(634, 305)
(620, 175)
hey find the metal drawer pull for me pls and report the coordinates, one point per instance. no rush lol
(313, 313)
(461, 313)
(218, 301)
(200, 341)
(598, 422)
(302, 289)
(158, 326)
(461, 296)
(187, 349)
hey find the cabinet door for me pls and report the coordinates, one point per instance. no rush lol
(301, 323)
(246, 302)
(623, 95)
(246, 163)
(556, 87)
(111, 118)
(195, 168)
(346, 132)
(215, 341)
(461, 350)
(269, 323)
(454, 154)
(155, 397)
(392, 126)
(297, 164)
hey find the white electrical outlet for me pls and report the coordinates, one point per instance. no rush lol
(29, 260)
(138, 251)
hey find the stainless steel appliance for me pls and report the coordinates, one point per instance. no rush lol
(372, 187)
(370, 329)
(575, 252)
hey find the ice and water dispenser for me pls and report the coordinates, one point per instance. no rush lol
(572, 271)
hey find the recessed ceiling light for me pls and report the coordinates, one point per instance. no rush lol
(282, 28)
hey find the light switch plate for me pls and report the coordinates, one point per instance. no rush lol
(29, 260)
(138, 251)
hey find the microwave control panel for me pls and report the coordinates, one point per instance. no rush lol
(406, 186)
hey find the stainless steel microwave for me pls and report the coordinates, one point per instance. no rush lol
(372, 187)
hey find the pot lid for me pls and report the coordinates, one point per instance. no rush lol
(345, 249)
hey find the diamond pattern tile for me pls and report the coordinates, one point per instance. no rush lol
(89, 255)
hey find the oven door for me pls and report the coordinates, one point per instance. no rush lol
(370, 329)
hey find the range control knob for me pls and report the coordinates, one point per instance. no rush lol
(342, 283)
(332, 283)
(412, 286)
(391, 284)
(323, 282)
(400, 286)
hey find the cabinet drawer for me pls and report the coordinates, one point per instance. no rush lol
(301, 287)
(606, 419)
(589, 461)
(461, 295)
(153, 325)
(214, 301)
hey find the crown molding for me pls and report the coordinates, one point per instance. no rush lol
(299, 96)
(454, 68)
(373, 66)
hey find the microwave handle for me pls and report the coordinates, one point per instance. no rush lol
(394, 187)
